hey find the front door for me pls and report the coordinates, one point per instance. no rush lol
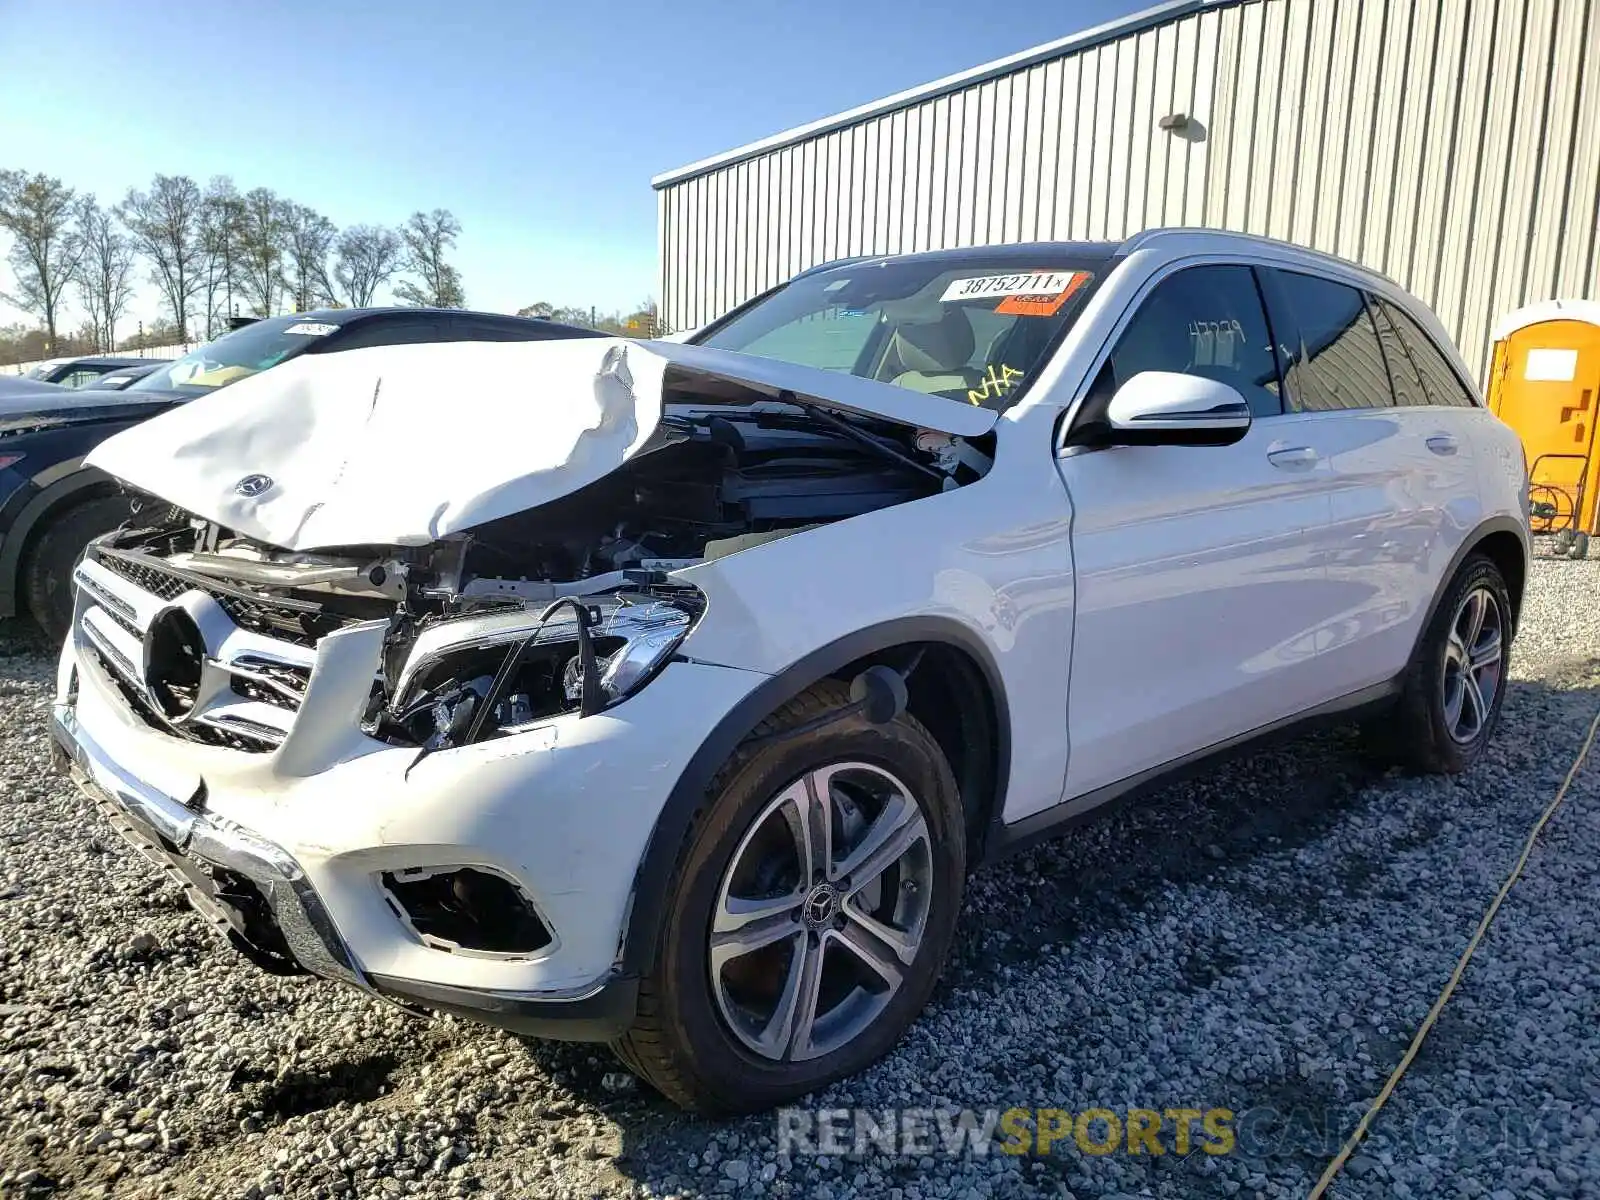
(1199, 576)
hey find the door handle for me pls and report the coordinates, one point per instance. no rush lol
(1442, 443)
(1294, 458)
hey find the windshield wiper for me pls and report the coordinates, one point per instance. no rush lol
(858, 435)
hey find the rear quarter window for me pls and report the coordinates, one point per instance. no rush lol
(1438, 379)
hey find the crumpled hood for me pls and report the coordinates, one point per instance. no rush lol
(403, 445)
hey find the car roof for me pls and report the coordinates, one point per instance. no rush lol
(348, 316)
(108, 360)
(1173, 239)
(1194, 240)
(1023, 254)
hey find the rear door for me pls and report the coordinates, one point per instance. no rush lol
(1402, 489)
(1199, 569)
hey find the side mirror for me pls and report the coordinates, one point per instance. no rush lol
(1166, 408)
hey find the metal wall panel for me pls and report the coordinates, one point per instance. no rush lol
(1452, 144)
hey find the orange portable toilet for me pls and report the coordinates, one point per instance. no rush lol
(1545, 384)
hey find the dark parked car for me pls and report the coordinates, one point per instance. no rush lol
(77, 372)
(51, 506)
(115, 381)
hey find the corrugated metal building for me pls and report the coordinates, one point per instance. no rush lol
(1451, 144)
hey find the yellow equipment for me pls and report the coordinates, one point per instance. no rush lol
(1545, 384)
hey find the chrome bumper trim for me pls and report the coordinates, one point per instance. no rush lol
(178, 834)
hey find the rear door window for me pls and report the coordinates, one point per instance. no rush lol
(1438, 379)
(1335, 361)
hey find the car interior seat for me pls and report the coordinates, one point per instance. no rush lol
(934, 356)
(1156, 340)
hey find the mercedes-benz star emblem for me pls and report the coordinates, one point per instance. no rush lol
(821, 905)
(253, 485)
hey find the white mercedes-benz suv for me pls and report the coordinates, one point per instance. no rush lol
(664, 694)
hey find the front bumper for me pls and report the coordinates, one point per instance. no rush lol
(192, 846)
(284, 852)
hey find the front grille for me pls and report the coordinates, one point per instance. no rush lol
(302, 624)
(253, 663)
(163, 585)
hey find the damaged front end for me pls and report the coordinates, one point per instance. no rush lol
(566, 608)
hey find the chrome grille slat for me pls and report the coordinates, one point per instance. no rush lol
(263, 679)
(250, 718)
(107, 599)
(110, 645)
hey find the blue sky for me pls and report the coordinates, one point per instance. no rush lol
(539, 125)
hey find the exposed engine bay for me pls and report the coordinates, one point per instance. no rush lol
(567, 607)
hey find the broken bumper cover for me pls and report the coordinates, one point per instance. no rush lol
(190, 843)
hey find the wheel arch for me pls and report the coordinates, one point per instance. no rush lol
(949, 660)
(1505, 541)
(80, 484)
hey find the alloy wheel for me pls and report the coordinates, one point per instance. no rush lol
(821, 911)
(1474, 658)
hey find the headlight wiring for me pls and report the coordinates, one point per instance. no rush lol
(468, 678)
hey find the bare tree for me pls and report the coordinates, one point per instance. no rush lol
(368, 257)
(262, 229)
(308, 240)
(36, 210)
(165, 224)
(427, 237)
(105, 270)
(221, 214)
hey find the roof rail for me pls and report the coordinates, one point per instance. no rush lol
(1146, 237)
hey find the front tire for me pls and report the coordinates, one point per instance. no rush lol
(1456, 682)
(810, 914)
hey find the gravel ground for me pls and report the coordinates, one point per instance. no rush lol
(1264, 938)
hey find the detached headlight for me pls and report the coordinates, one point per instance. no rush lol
(472, 677)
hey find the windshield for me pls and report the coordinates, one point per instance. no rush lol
(969, 329)
(238, 354)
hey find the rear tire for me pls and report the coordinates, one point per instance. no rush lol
(56, 549)
(1456, 682)
(733, 1038)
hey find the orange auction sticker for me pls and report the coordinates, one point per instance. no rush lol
(1042, 304)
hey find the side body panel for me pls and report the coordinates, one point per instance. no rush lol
(993, 557)
(1400, 513)
(1201, 590)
